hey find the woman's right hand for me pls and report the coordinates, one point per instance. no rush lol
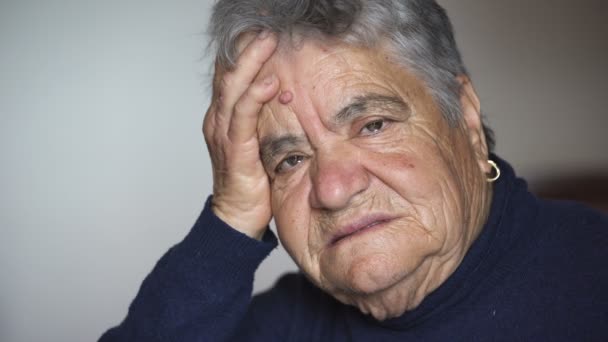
(241, 190)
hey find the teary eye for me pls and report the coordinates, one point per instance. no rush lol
(373, 127)
(289, 163)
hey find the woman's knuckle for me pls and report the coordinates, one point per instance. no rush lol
(225, 83)
(206, 131)
(240, 107)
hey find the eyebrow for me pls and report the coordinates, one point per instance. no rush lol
(273, 146)
(365, 103)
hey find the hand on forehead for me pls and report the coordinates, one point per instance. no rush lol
(285, 96)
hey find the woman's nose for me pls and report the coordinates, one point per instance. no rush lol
(337, 175)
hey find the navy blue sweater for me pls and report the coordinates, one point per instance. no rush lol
(537, 272)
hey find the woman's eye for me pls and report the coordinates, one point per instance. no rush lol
(373, 127)
(289, 163)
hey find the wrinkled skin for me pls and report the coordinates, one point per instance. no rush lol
(379, 207)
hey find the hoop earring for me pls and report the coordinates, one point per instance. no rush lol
(496, 170)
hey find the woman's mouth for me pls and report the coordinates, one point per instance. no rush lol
(359, 226)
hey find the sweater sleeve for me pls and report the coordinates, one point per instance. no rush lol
(199, 290)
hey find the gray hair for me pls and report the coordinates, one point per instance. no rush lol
(418, 32)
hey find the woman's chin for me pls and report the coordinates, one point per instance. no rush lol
(379, 308)
(379, 288)
(381, 313)
(373, 262)
(365, 276)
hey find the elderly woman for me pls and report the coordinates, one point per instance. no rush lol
(354, 124)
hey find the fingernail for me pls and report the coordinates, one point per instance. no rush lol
(269, 79)
(263, 35)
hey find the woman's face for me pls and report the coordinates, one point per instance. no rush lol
(375, 196)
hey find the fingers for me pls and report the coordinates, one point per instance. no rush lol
(243, 123)
(233, 84)
(238, 97)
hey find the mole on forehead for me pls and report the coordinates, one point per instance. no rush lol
(286, 97)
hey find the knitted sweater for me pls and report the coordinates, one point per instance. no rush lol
(537, 272)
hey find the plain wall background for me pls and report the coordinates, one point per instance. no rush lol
(103, 166)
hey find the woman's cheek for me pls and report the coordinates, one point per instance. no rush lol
(290, 206)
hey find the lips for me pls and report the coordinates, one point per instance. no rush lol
(358, 226)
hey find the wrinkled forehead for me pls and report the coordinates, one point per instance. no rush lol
(310, 76)
(321, 78)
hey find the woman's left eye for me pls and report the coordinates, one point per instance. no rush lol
(373, 127)
(289, 163)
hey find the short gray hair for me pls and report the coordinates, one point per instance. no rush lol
(418, 32)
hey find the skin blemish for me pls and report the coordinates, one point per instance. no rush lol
(286, 97)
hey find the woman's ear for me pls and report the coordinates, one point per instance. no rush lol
(471, 114)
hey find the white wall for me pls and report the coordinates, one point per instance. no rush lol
(103, 162)
(103, 166)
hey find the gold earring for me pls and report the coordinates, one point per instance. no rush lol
(496, 170)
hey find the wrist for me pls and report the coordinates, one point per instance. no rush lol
(240, 221)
